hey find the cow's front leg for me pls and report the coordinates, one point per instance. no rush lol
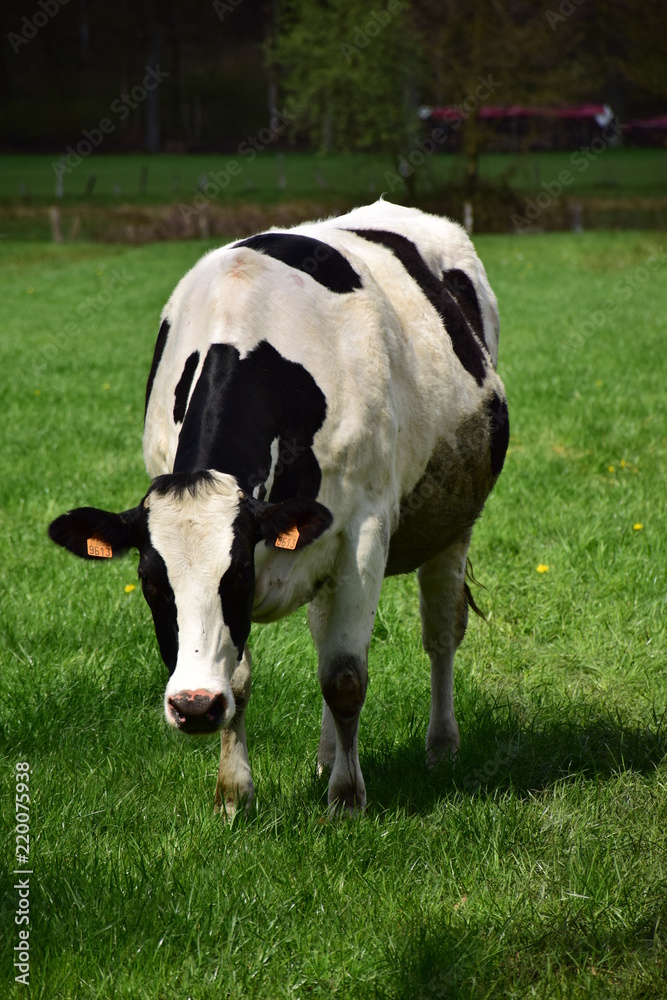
(343, 679)
(235, 784)
(341, 620)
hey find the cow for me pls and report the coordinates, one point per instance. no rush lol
(322, 410)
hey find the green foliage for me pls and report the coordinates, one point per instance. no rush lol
(534, 867)
(349, 73)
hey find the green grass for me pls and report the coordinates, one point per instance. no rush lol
(535, 867)
(30, 178)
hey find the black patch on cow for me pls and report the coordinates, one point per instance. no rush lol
(237, 586)
(240, 406)
(184, 482)
(160, 599)
(157, 357)
(322, 262)
(182, 390)
(500, 432)
(466, 346)
(460, 287)
(344, 684)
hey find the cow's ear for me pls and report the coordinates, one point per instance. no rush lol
(97, 534)
(292, 524)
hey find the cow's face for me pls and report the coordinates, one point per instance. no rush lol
(196, 536)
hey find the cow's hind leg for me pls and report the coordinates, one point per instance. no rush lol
(341, 619)
(318, 618)
(444, 613)
(235, 785)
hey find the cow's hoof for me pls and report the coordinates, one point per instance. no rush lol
(228, 804)
(437, 753)
(347, 802)
(436, 757)
(226, 810)
(444, 746)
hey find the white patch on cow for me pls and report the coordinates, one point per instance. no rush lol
(272, 471)
(262, 490)
(194, 536)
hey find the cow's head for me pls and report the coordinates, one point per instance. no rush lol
(196, 535)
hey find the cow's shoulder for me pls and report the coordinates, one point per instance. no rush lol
(424, 241)
(309, 254)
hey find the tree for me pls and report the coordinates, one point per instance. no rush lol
(348, 73)
(636, 42)
(486, 51)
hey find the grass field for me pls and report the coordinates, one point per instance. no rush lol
(141, 198)
(175, 177)
(535, 867)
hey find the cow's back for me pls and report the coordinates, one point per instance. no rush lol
(403, 359)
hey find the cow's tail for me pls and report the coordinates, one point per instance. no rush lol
(466, 589)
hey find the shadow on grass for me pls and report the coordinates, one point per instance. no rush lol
(502, 748)
(439, 955)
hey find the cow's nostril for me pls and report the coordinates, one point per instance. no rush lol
(198, 711)
(216, 709)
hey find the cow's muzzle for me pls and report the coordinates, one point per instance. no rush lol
(199, 711)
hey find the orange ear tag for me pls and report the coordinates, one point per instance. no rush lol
(97, 548)
(288, 539)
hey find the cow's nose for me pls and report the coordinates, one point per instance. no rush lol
(199, 711)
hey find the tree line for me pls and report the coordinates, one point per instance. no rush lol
(346, 75)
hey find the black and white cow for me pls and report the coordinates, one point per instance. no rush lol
(322, 411)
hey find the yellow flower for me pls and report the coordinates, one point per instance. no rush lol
(106, 385)
(129, 587)
(637, 527)
(542, 568)
(610, 468)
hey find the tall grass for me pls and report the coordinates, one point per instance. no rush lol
(536, 866)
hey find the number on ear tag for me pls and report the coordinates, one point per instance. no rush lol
(288, 539)
(97, 548)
